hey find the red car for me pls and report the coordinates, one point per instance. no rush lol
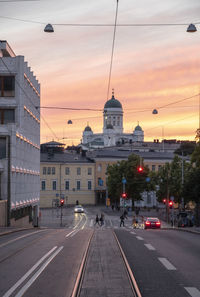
(151, 223)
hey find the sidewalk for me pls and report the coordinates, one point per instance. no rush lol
(105, 273)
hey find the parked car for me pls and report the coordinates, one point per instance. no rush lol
(78, 209)
(151, 223)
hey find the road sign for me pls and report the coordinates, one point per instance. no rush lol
(123, 180)
(148, 179)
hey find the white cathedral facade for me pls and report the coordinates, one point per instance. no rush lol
(112, 134)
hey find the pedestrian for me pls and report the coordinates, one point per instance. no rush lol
(122, 220)
(97, 220)
(102, 219)
(112, 207)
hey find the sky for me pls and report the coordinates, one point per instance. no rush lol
(153, 66)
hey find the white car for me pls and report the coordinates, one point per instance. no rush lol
(78, 209)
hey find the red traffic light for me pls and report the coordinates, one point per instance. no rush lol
(170, 203)
(164, 201)
(62, 202)
(140, 169)
(124, 195)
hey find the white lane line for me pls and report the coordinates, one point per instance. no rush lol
(139, 238)
(70, 233)
(167, 264)
(91, 222)
(194, 292)
(35, 276)
(111, 224)
(21, 280)
(132, 232)
(20, 237)
(150, 247)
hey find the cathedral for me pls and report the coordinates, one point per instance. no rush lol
(112, 133)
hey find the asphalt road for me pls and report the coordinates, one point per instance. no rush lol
(46, 261)
(164, 262)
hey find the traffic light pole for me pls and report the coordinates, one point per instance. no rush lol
(61, 215)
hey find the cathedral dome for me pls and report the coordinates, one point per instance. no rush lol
(88, 129)
(109, 126)
(138, 128)
(113, 103)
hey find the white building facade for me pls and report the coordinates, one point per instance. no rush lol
(113, 133)
(19, 139)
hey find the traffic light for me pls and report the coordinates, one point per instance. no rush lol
(124, 195)
(140, 169)
(164, 200)
(170, 204)
(62, 202)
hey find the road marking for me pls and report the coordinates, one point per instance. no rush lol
(91, 222)
(194, 292)
(132, 232)
(149, 246)
(167, 264)
(70, 233)
(21, 280)
(111, 224)
(78, 223)
(20, 237)
(35, 276)
(139, 238)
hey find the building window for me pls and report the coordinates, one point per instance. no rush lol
(7, 116)
(53, 170)
(44, 170)
(67, 171)
(89, 171)
(43, 185)
(54, 185)
(78, 170)
(100, 182)
(66, 185)
(78, 184)
(159, 167)
(2, 148)
(7, 86)
(153, 167)
(49, 170)
(99, 168)
(89, 185)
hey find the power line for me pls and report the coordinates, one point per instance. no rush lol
(112, 52)
(97, 25)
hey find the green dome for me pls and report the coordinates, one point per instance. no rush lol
(138, 128)
(113, 103)
(109, 126)
(88, 129)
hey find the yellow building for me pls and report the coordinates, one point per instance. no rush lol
(67, 175)
(105, 157)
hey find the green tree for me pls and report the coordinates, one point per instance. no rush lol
(195, 158)
(186, 148)
(135, 181)
(191, 190)
(169, 179)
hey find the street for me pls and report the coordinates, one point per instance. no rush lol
(46, 261)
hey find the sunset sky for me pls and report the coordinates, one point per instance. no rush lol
(152, 65)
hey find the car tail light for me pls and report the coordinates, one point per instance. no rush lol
(157, 223)
(147, 223)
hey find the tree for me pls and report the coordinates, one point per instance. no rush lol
(195, 158)
(169, 179)
(135, 181)
(186, 148)
(191, 190)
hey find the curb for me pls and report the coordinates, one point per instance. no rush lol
(14, 231)
(182, 230)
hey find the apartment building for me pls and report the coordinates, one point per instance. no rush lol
(67, 175)
(19, 140)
